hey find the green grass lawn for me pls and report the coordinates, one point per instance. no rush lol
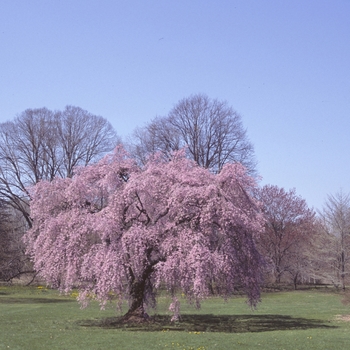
(34, 318)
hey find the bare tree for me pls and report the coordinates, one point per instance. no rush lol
(336, 222)
(13, 261)
(211, 131)
(158, 136)
(24, 156)
(83, 137)
(323, 256)
(289, 231)
(41, 145)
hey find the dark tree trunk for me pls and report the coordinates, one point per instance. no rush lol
(295, 280)
(136, 312)
(277, 276)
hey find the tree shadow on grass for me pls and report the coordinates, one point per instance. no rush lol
(212, 323)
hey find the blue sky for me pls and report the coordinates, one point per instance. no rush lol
(283, 65)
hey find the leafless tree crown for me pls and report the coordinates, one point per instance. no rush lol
(40, 144)
(83, 137)
(211, 131)
(335, 218)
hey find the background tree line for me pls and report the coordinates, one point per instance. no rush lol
(299, 245)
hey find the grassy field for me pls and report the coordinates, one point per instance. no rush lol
(37, 318)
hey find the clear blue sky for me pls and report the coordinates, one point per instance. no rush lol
(283, 65)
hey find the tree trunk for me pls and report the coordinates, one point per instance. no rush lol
(136, 312)
(277, 276)
(295, 280)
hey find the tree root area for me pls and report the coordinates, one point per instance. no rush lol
(135, 317)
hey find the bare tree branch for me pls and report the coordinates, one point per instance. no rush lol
(335, 218)
(211, 131)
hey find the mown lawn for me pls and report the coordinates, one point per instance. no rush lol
(37, 318)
